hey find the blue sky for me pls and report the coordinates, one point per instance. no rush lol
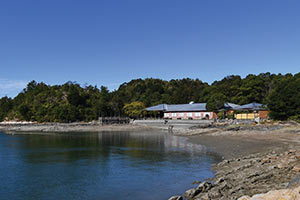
(108, 42)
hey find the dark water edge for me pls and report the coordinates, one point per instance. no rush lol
(107, 165)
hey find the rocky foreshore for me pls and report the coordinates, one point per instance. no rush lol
(244, 177)
(33, 128)
(261, 162)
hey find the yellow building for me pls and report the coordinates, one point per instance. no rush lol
(246, 116)
(256, 110)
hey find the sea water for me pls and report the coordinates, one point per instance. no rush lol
(95, 166)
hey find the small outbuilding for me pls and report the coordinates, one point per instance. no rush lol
(252, 111)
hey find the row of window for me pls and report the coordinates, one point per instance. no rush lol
(189, 114)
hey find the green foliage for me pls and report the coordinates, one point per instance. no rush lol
(5, 107)
(59, 103)
(216, 102)
(135, 109)
(71, 102)
(220, 115)
(284, 100)
(223, 115)
(230, 116)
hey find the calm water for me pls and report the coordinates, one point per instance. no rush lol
(108, 166)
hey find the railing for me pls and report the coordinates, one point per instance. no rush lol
(114, 120)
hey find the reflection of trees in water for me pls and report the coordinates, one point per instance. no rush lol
(136, 145)
(64, 148)
(132, 140)
(92, 160)
(71, 147)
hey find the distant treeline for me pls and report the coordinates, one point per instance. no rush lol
(71, 102)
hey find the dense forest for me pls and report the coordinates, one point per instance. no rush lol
(71, 102)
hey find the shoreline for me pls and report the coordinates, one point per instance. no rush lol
(38, 128)
(255, 161)
(256, 158)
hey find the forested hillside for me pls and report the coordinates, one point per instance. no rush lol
(71, 102)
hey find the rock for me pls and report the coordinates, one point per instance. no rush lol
(295, 182)
(205, 197)
(266, 160)
(254, 174)
(281, 165)
(176, 198)
(220, 180)
(296, 169)
(191, 193)
(286, 194)
(244, 198)
(215, 194)
(292, 151)
(202, 187)
(297, 156)
(205, 186)
(273, 157)
(237, 128)
(225, 162)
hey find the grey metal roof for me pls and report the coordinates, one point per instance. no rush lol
(251, 106)
(230, 105)
(178, 107)
(160, 107)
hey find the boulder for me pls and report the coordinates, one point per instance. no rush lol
(191, 193)
(202, 187)
(286, 194)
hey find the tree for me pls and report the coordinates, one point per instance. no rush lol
(72, 102)
(284, 100)
(5, 107)
(216, 102)
(103, 105)
(135, 109)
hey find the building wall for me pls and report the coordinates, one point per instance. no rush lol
(261, 114)
(189, 115)
(246, 116)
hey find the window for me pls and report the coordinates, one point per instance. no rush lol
(189, 114)
(181, 114)
(197, 114)
(166, 114)
(173, 114)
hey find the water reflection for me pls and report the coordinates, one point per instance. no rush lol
(94, 146)
(108, 165)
